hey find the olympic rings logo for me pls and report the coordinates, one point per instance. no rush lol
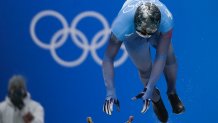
(77, 36)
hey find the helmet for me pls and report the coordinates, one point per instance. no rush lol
(147, 19)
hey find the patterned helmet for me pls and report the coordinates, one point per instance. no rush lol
(147, 19)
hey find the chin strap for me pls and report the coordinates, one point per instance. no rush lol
(143, 36)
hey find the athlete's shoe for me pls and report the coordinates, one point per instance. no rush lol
(176, 103)
(160, 110)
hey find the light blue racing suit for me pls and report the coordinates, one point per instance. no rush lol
(138, 48)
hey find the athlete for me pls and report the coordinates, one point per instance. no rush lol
(139, 25)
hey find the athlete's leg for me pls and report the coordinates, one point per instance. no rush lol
(144, 70)
(170, 71)
(157, 103)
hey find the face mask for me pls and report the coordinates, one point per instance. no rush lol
(16, 98)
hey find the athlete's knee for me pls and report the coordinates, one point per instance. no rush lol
(171, 59)
(145, 73)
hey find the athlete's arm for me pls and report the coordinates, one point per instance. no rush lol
(160, 59)
(108, 73)
(108, 63)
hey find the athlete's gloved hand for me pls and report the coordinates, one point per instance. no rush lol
(108, 105)
(145, 95)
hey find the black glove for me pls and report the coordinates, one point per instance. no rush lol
(108, 105)
(145, 95)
